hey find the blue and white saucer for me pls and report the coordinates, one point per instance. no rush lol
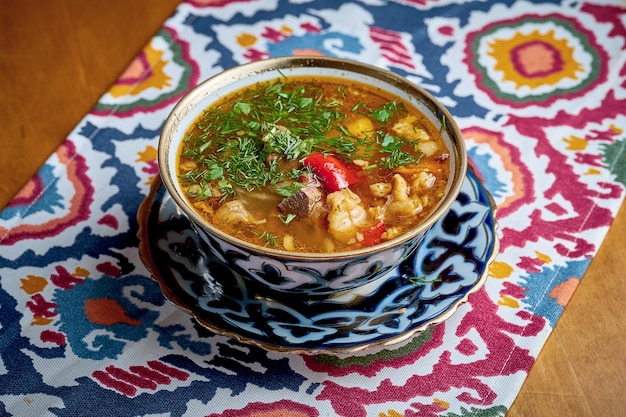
(424, 290)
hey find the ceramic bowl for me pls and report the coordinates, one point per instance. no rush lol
(305, 274)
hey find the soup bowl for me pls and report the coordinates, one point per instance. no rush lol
(271, 272)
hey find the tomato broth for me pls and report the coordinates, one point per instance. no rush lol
(316, 164)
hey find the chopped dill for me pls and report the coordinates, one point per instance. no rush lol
(268, 238)
(443, 124)
(257, 140)
(289, 190)
(287, 219)
(385, 112)
(418, 280)
(394, 155)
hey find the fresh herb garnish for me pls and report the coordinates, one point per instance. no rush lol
(418, 280)
(443, 124)
(268, 238)
(385, 112)
(395, 156)
(289, 190)
(287, 219)
(252, 142)
(240, 146)
(282, 141)
(242, 107)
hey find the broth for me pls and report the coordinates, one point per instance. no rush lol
(313, 165)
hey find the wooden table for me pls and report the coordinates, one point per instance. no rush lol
(57, 59)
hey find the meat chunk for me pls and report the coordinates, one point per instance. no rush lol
(303, 203)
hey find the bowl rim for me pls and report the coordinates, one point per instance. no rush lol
(278, 64)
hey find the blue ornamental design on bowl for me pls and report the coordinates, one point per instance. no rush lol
(311, 277)
(426, 287)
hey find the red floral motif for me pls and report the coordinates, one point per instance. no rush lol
(29, 193)
(523, 189)
(585, 213)
(78, 205)
(40, 307)
(110, 221)
(503, 357)
(128, 382)
(54, 337)
(279, 408)
(392, 46)
(108, 268)
(63, 279)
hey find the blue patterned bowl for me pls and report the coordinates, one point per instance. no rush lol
(305, 274)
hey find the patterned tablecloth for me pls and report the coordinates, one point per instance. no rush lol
(539, 91)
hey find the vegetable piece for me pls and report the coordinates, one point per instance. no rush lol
(334, 173)
(233, 212)
(347, 216)
(373, 235)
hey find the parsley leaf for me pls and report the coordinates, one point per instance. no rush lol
(287, 219)
(289, 190)
(385, 112)
(242, 107)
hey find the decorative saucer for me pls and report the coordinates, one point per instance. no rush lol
(425, 289)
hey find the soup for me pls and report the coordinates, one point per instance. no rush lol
(313, 165)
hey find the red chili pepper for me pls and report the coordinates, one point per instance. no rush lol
(373, 235)
(334, 173)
